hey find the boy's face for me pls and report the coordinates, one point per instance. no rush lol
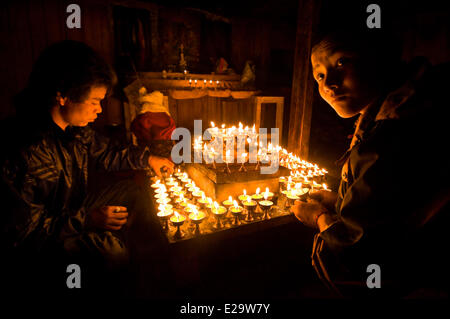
(342, 81)
(80, 114)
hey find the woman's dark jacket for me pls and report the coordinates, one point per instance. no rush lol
(45, 176)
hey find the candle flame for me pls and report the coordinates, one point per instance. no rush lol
(253, 129)
(223, 125)
(176, 214)
(245, 192)
(235, 204)
(324, 186)
(212, 124)
(216, 205)
(266, 195)
(257, 191)
(230, 198)
(195, 211)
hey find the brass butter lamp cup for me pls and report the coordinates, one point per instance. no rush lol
(178, 220)
(228, 202)
(164, 216)
(291, 198)
(266, 205)
(219, 212)
(202, 202)
(242, 198)
(236, 212)
(197, 217)
(250, 206)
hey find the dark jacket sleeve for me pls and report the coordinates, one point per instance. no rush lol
(27, 184)
(388, 201)
(109, 156)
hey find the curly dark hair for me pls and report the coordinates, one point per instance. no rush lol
(71, 68)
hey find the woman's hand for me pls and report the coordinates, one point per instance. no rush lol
(157, 163)
(108, 217)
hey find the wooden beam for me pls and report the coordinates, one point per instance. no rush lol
(302, 82)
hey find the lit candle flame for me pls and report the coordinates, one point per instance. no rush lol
(257, 191)
(195, 212)
(245, 192)
(212, 124)
(235, 204)
(324, 186)
(230, 199)
(266, 195)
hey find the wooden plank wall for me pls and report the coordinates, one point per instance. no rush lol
(302, 82)
(28, 26)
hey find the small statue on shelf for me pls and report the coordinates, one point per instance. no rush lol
(249, 73)
(182, 62)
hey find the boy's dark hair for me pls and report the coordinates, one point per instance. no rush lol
(68, 67)
(379, 48)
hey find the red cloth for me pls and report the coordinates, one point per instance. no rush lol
(153, 126)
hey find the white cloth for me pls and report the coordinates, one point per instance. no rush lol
(153, 102)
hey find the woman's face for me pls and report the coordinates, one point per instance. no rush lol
(80, 114)
(343, 82)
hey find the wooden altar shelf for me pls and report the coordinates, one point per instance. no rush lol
(155, 81)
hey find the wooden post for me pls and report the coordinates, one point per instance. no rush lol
(302, 82)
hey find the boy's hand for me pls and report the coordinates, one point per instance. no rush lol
(108, 217)
(326, 198)
(157, 163)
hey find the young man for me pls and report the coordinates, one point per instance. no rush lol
(389, 210)
(47, 213)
